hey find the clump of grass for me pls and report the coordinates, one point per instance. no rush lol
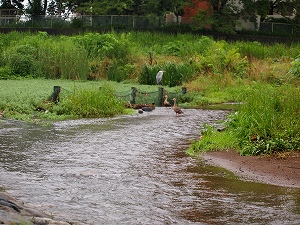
(267, 122)
(26, 99)
(100, 102)
(210, 140)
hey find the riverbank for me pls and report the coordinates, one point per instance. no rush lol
(280, 170)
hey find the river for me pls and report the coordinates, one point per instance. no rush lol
(133, 169)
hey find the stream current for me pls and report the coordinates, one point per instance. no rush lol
(133, 169)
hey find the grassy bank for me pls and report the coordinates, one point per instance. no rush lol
(267, 121)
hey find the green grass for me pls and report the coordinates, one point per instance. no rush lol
(26, 99)
(267, 122)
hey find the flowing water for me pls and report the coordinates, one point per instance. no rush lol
(133, 170)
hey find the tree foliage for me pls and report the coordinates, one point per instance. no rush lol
(130, 7)
(224, 15)
(37, 7)
(11, 4)
(288, 9)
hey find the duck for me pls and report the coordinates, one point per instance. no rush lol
(177, 110)
(166, 103)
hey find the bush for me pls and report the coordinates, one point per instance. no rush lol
(6, 73)
(20, 59)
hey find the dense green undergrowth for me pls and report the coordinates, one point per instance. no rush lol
(135, 56)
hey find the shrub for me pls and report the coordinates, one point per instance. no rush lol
(219, 59)
(20, 59)
(6, 73)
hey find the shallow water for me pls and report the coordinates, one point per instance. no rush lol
(133, 170)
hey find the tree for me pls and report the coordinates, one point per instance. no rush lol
(12, 4)
(288, 9)
(224, 15)
(61, 7)
(130, 7)
(219, 15)
(36, 7)
(106, 7)
(161, 7)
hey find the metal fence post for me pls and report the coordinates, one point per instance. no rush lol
(133, 21)
(111, 22)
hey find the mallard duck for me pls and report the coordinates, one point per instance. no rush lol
(166, 103)
(177, 110)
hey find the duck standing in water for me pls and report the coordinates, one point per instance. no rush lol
(177, 110)
(166, 103)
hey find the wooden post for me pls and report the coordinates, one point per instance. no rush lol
(132, 95)
(160, 96)
(55, 95)
(183, 90)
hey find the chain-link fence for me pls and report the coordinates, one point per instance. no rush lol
(136, 96)
(276, 28)
(111, 21)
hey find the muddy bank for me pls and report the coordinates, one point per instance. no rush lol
(278, 170)
(14, 212)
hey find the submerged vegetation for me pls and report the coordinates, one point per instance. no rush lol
(91, 67)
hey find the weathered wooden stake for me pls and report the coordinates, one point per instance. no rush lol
(55, 95)
(132, 95)
(160, 96)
